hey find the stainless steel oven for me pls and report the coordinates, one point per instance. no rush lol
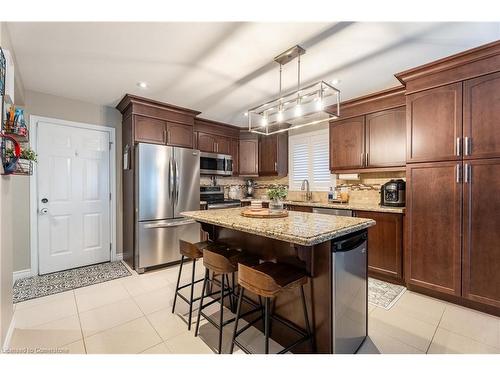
(216, 164)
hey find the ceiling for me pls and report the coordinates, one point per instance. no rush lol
(222, 69)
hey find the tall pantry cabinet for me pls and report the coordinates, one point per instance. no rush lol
(453, 177)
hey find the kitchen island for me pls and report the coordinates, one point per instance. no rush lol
(337, 289)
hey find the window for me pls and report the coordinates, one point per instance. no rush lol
(309, 159)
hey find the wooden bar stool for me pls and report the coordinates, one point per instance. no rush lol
(191, 251)
(267, 280)
(221, 262)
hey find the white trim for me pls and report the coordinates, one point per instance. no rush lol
(8, 336)
(118, 257)
(16, 275)
(33, 183)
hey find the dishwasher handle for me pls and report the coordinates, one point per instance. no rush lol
(350, 243)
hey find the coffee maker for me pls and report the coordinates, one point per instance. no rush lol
(249, 188)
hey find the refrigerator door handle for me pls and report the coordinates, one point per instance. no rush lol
(176, 183)
(170, 178)
(169, 224)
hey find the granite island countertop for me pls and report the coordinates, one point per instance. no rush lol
(301, 228)
(355, 206)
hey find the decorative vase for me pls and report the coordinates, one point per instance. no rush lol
(276, 205)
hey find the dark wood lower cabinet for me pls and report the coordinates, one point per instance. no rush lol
(481, 232)
(385, 246)
(291, 207)
(434, 212)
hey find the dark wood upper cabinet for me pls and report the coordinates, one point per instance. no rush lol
(434, 124)
(249, 155)
(434, 208)
(273, 155)
(207, 142)
(386, 138)
(150, 130)
(481, 237)
(223, 145)
(385, 255)
(235, 147)
(179, 135)
(482, 117)
(347, 144)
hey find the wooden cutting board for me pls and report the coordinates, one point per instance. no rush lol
(263, 213)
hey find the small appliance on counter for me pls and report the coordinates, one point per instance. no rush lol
(249, 188)
(393, 193)
(214, 196)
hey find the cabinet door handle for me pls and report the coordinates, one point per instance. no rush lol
(366, 159)
(467, 150)
(467, 173)
(165, 135)
(459, 173)
(276, 166)
(458, 146)
(362, 159)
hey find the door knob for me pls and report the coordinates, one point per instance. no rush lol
(44, 211)
(45, 200)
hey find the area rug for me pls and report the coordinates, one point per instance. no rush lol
(383, 294)
(57, 282)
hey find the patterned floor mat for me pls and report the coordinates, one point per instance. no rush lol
(383, 294)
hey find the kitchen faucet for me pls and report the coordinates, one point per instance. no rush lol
(305, 186)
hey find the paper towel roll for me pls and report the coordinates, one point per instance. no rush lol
(348, 176)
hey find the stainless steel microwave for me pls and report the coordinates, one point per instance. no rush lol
(216, 164)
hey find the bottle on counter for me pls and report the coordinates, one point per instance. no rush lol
(331, 196)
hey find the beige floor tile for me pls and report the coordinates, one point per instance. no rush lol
(402, 327)
(445, 342)
(473, 324)
(155, 300)
(41, 313)
(37, 301)
(371, 308)
(379, 343)
(168, 325)
(145, 283)
(158, 349)
(99, 295)
(129, 338)
(74, 348)
(420, 307)
(50, 335)
(186, 343)
(109, 316)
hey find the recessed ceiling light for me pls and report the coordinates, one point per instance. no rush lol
(335, 81)
(142, 85)
(246, 113)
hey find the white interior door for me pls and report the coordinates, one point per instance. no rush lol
(73, 197)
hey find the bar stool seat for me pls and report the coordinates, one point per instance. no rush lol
(192, 251)
(223, 262)
(268, 280)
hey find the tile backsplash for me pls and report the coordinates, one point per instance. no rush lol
(366, 189)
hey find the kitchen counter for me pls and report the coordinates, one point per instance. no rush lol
(300, 228)
(355, 206)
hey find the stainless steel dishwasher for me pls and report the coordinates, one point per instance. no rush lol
(332, 211)
(349, 286)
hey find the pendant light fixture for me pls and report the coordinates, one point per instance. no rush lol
(304, 106)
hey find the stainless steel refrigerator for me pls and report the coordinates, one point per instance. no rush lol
(167, 183)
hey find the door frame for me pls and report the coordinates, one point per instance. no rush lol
(34, 120)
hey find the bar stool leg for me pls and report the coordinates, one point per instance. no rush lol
(221, 315)
(233, 292)
(238, 310)
(203, 291)
(306, 317)
(191, 297)
(231, 302)
(177, 285)
(266, 322)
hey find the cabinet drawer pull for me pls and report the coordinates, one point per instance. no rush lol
(467, 150)
(467, 173)
(459, 173)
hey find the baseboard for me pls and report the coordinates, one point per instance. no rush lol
(16, 275)
(8, 337)
(118, 256)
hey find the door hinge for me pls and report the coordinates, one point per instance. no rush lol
(110, 246)
(110, 144)
(109, 196)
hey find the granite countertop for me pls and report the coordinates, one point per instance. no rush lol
(356, 206)
(301, 228)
